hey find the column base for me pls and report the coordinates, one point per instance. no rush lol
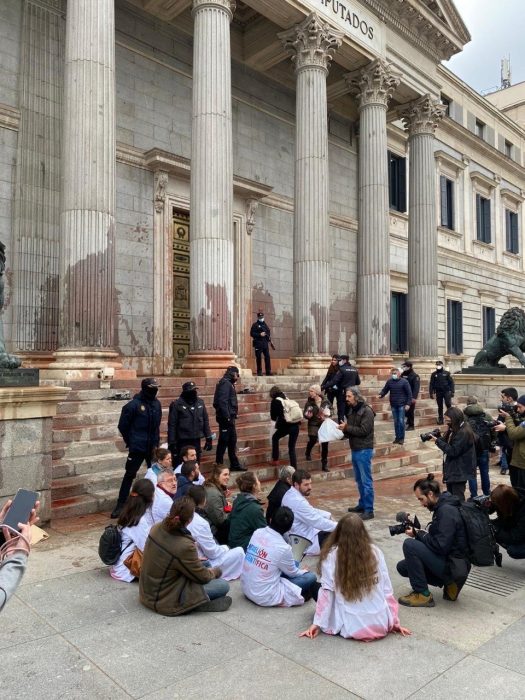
(376, 365)
(309, 364)
(80, 365)
(207, 364)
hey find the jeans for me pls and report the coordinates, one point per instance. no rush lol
(292, 430)
(440, 397)
(306, 583)
(421, 566)
(216, 588)
(133, 464)
(267, 362)
(227, 439)
(483, 466)
(362, 464)
(398, 414)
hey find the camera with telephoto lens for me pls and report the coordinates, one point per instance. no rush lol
(404, 523)
(482, 502)
(425, 437)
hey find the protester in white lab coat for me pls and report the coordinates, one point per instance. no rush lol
(270, 576)
(229, 560)
(356, 599)
(189, 454)
(135, 521)
(165, 491)
(161, 460)
(309, 522)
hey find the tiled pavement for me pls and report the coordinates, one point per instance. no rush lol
(73, 632)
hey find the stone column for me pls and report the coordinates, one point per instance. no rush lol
(421, 119)
(87, 222)
(313, 42)
(211, 198)
(375, 85)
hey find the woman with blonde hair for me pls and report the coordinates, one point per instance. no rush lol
(356, 599)
(316, 409)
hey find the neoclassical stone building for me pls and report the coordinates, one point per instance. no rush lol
(169, 167)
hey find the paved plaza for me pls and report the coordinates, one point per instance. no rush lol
(73, 632)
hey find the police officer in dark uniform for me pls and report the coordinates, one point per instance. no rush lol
(226, 408)
(414, 381)
(188, 423)
(139, 425)
(441, 388)
(260, 332)
(346, 377)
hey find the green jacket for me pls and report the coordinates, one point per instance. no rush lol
(246, 517)
(517, 435)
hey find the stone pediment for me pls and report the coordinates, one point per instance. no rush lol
(435, 24)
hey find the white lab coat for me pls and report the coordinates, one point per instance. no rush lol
(153, 473)
(200, 479)
(373, 617)
(132, 538)
(162, 503)
(267, 557)
(229, 560)
(308, 521)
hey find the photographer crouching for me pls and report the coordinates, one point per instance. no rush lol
(436, 556)
(509, 526)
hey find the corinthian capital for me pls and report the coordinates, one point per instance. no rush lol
(423, 115)
(227, 5)
(375, 84)
(313, 41)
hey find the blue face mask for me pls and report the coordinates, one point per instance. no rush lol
(394, 376)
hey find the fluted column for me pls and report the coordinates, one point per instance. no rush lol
(211, 198)
(313, 43)
(421, 120)
(87, 222)
(375, 84)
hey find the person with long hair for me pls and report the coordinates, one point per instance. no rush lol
(459, 449)
(135, 522)
(356, 599)
(217, 508)
(173, 580)
(509, 526)
(333, 369)
(162, 460)
(282, 428)
(247, 513)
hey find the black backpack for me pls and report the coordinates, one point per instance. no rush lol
(482, 547)
(110, 545)
(481, 431)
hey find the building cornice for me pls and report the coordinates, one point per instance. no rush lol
(482, 179)
(446, 159)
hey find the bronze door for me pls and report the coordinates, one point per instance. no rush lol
(181, 286)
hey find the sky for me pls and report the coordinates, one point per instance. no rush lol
(497, 30)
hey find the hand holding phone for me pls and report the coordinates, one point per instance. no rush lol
(20, 510)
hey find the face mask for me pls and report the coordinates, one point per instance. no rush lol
(151, 391)
(439, 367)
(261, 320)
(341, 363)
(191, 396)
(394, 376)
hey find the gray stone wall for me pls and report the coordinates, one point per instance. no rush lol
(10, 26)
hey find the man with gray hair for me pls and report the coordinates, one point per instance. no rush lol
(275, 496)
(359, 429)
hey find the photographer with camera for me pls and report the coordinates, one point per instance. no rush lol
(459, 448)
(517, 434)
(436, 556)
(509, 400)
(509, 526)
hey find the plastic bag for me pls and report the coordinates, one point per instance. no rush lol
(328, 431)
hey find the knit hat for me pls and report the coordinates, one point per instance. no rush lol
(317, 389)
(472, 400)
(521, 400)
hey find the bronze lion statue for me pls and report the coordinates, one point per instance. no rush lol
(509, 339)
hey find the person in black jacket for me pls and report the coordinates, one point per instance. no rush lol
(346, 377)
(441, 388)
(188, 423)
(226, 407)
(459, 448)
(275, 496)
(414, 381)
(436, 556)
(282, 428)
(509, 526)
(139, 425)
(261, 334)
(333, 369)
(400, 400)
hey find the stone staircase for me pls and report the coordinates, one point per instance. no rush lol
(89, 454)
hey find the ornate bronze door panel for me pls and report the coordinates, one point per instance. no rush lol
(181, 287)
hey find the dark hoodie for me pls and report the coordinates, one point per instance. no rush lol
(139, 423)
(446, 535)
(246, 517)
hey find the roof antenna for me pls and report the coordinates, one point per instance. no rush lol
(505, 73)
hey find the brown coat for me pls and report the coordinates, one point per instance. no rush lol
(172, 575)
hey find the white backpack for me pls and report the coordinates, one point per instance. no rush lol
(292, 411)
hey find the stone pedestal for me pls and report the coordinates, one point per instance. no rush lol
(313, 42)
(420, 121)
(26, 418)
(211, 197)
(87, 222)
(375, 84)
(486, 387)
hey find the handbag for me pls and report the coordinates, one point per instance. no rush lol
(134, 562)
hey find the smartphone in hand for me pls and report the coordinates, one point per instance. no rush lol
(20, 509)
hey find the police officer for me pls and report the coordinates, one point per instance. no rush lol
(260, 332)
(441, 388)
(414, 381)
(226, 408)
(139, 425)
(346, 377)
(188, 423)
